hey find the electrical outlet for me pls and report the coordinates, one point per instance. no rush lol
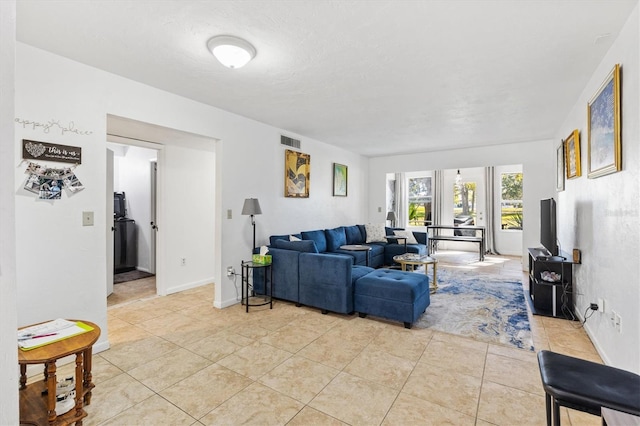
(618, 323)
(600, 305)
(230, 271)
(183, 261)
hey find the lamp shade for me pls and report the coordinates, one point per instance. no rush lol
(391, 216)
(251, 207)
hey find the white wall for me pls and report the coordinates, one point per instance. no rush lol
(8, 285)
(538, 166)
(600, 216)
(249, 162)
(132, 175)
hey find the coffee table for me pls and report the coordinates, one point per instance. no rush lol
(358, 247)
(412, 260)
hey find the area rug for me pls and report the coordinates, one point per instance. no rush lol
(490, 308)
(130, 276)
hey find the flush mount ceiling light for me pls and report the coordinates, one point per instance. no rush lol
(232, 52)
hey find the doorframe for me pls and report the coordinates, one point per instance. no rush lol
(161, 288)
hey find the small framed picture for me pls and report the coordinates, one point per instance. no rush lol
(572, 155)
(340, 175)
(560, 167)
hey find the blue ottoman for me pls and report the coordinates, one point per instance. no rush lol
(396, 295)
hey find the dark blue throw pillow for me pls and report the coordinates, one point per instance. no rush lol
(306, 246)
(354, 236)
(318, 237)
(335, 238)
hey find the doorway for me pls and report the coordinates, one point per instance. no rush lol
(134, 186)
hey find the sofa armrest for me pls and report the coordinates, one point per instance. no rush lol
(325, 282)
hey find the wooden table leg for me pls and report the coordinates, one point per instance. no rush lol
(79, 384)
(87, 376)
(51, 391)
(23, 376)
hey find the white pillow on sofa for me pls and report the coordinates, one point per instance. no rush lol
(294, 238)
(408, 235)
(375, 233)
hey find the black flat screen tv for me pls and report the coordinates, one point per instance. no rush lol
(548, 236)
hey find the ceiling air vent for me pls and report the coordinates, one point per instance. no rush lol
(294, 143)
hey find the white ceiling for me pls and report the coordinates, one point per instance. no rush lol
(374, 77)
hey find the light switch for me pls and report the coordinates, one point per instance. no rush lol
(87, 218)
(229, 215)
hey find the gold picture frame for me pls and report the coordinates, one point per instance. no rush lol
(297, 174)
(603, 124)
(572, 155)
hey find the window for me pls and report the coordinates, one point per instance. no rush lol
(464, 203)
(420, 197)
(511, 201)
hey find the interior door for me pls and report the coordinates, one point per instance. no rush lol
(154, 220)
(109, 220)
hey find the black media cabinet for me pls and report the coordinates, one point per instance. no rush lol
(554, 299)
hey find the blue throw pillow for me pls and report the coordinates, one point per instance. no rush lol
(274, 238)
(354, 236)
(307, 246)
(318, 237)
(335, 238)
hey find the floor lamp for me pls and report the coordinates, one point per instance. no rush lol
(252, 207)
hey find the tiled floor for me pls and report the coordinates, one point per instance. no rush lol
(177, 360)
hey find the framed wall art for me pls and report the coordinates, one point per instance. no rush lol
(572, 155)
(603, 121)
(297, 172)
(340, 175)
(560, 167)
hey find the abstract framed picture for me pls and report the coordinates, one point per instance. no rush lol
(603, 121)
(297, 173)
(340, 175)
(572, 155)
(560, 167)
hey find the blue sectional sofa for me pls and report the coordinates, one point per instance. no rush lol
(382, 249)
(309, 268)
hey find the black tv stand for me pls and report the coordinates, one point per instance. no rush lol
(551, 298)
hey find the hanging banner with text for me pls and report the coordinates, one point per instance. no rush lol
(34, 150)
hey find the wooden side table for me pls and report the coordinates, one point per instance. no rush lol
(38, 400)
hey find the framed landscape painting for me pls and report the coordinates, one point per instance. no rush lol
(572, 155)
(340, 175)
(603, 121)
(297, 174)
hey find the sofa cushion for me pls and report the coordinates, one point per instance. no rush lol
(318, 237)
(354, 236)
(375, 233)
(302, 246)
(336, 237)
(406, 234)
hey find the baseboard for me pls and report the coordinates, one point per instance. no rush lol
(144, 270)
(594, 340)
(188, 286)
(100, 347)
(226, 303)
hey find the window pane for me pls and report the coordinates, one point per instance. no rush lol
(420, 197)
(464, 204)
(511, 202)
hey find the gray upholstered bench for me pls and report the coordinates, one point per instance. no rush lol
(391, 294)
(586, 386)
